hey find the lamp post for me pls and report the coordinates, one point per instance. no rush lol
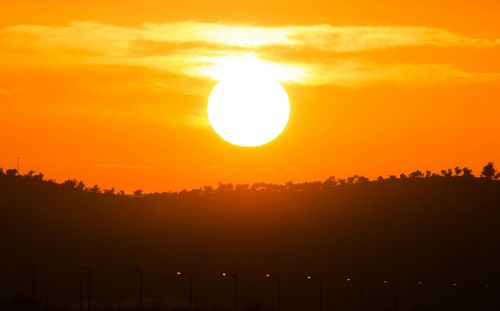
(235, 278)
(430, 287)
(496, 289)
(33, 279)
(190, 287)
(80, 301)
(141, 286)
(320, 281)
(278, 280)
(396, 293)
(464, 293)
(89, 272)
(360, 291)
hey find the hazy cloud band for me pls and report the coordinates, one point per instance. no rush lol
(198, 50)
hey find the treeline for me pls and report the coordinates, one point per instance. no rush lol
(488, 172)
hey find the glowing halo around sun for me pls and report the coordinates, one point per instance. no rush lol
(248, 109)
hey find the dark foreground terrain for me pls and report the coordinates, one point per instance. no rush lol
(442, 230)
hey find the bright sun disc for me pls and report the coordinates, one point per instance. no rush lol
(248, 111)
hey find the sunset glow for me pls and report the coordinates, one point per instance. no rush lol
(249, 155)
(117, 95)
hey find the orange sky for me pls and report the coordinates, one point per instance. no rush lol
(115, 93)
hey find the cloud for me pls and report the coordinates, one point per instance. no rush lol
(327, 37)
(209, 50)
(221, 168)
(355, 73)
(4, 91)
(356, 39)
(122, 166)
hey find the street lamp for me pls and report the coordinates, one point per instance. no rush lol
(33, 279)
(235, 278)
(360, 291)
(141, 286)
(493, 287)
(320, 281)
(81, 295)
(396, 293)
(278, 280)
(89, 272)
(464, 293)
(190, 287)
(430, 287)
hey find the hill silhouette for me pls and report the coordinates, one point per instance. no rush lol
(440, 229)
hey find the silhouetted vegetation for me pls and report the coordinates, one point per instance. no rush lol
(421, 226)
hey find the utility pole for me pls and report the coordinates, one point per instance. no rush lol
(18, 169)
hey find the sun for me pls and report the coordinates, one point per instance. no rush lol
(248, 109)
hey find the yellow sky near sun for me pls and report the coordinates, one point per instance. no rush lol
(119, 99)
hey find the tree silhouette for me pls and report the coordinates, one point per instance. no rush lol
(363, 179)
(330, 182)
(447, 173)
(11, 172)
(489, 171)
(467, 172)
(70, 183)
(109, 191)
(95, 189)
(416, 174)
